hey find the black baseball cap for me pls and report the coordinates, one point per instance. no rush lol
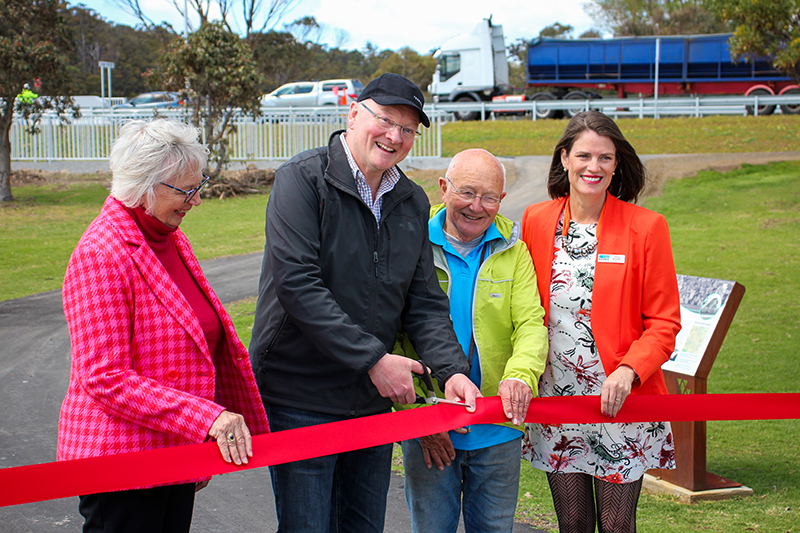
(393, 89)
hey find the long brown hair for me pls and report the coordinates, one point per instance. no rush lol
(630, 175)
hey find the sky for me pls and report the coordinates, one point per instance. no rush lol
(420, 24)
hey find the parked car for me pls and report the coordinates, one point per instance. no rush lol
(160, 99)
(314, 93)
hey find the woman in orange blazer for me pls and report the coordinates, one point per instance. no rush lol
(156, 361)
(608, 286)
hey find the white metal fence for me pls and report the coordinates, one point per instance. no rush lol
(280, 134)
(275, 135)
(696, 106)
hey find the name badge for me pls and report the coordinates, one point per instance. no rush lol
(611, 258)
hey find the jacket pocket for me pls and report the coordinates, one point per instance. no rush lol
(264, 355)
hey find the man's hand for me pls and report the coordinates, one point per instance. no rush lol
(516, 396)
(437, 449)
(459, 387)
(392, 377)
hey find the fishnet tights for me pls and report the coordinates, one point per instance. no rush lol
(575, 497)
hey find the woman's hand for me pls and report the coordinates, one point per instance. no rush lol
(233, 437)
(616, 388)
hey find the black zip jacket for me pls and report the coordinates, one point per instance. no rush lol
(335, 286)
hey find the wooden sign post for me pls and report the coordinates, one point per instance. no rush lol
(707, 310)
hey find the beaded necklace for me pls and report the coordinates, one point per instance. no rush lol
(573, 251)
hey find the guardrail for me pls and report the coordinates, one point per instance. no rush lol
(274, 135)
(698, 106)
(279, 134)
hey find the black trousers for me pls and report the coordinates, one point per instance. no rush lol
(157, 510)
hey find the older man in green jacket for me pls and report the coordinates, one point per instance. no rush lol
(487, 272)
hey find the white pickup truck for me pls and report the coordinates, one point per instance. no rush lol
(314, 93)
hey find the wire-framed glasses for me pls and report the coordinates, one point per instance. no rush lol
(389, 124)
(469, 196)
(191, 192)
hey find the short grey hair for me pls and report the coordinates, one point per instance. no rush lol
(149, 152)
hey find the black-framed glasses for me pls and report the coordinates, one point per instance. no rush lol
(191, 192)
(389, 124)
(469, 196)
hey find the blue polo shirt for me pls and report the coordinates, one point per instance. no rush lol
(463, 274)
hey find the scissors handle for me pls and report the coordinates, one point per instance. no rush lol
(432, 399)
(426, 378)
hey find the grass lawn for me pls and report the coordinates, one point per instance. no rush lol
(719, 134)
(743, 225)
(39, 231)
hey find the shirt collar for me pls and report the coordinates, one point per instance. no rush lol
(390, 176)
(436, 230)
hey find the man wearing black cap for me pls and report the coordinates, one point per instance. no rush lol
(347, 259)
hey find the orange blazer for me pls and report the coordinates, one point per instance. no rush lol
(635, 302)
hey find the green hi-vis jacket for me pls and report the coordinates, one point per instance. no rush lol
(507, 318)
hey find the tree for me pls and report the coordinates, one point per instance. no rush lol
(766, 28)
(693, 18)
(256, 16)
(410, 64)
(654, 17)
(591, 33)
(280, 58)
(557, 30)
(34, 43)
(625, 17)
(517, 53)
(134, 50)
(222, 77)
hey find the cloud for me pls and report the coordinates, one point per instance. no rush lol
(424, 25)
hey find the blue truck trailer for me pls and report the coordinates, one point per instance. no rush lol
(686, 65)
(469, 69)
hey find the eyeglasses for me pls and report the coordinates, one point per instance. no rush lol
(389, 124)
(191, 192)
(469, 196)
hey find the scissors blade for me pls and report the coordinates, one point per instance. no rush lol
(442, 400)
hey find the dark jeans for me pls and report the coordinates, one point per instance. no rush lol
(157, 510)
(344, 492)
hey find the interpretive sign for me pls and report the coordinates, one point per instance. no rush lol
(703, 301)
(707, 310)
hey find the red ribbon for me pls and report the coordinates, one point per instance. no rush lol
(63, 479)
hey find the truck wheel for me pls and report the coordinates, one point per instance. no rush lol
(762, 109)
(790, 109)
(545, 113)
(466, 115)
(575, 95)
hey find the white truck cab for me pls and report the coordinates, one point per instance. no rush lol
(471, 66)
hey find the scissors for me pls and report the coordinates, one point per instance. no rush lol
(432, 398)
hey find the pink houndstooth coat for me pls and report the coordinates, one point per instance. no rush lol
(142, 376)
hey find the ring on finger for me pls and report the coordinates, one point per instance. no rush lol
(231, 437)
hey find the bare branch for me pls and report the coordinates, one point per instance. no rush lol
(132, 7)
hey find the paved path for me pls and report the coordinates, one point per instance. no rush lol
(34, 371)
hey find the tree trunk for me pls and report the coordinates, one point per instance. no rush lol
(5, 161)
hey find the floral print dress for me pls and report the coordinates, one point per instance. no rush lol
(613, 452)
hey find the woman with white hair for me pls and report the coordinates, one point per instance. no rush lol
(156, 361)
